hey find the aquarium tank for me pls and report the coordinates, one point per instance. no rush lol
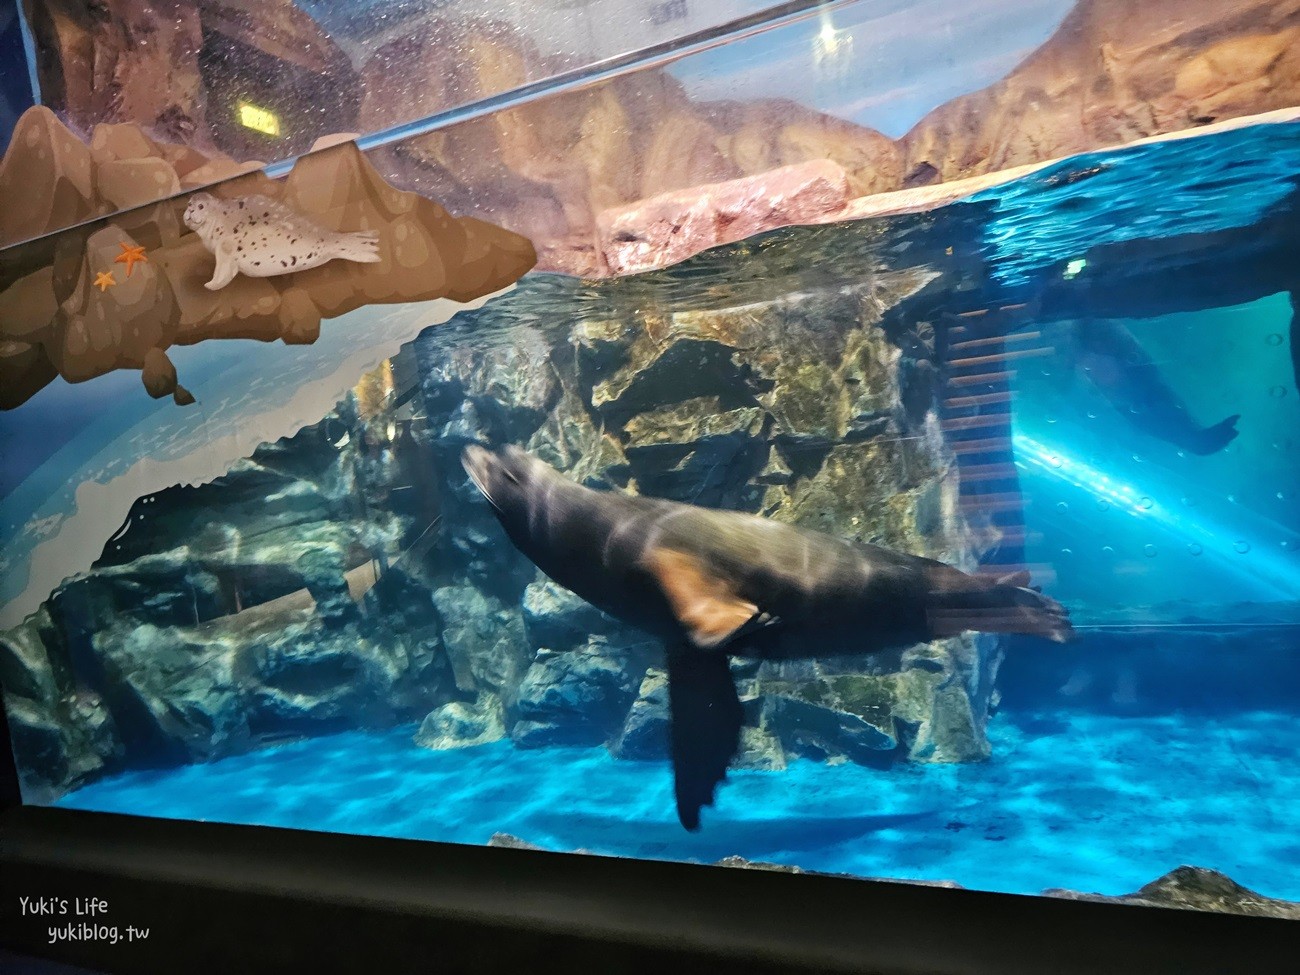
(860, 437)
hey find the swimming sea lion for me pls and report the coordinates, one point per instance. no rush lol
(716, 583)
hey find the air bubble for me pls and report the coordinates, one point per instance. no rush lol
(1064, 505)
(1068, 552)
(1092, 415)
(1051, 419)
(1274, 339)
(1277, 392)
(1189, 503)
(1145, 504)
(1195, 548)
(1103, 505)
(1149, 551)
(1241, 547)
(1054, 461)
(1137, 458)
(1107, 550)
(1232, 499)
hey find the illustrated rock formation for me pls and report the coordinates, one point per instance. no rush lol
(70, 309)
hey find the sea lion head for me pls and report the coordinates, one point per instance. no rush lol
(203, 209)
(507, 476)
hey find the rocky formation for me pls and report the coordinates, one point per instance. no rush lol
(248, 609)
(61, 318)
(1200, 889)
(760, 407)
(288, 597)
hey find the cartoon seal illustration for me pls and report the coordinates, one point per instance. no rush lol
(261, 238)
(716, 583)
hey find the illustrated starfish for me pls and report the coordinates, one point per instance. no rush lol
(130, 255)
(105, 280)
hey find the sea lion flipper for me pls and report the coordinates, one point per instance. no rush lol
(705, 603)
(705, 729)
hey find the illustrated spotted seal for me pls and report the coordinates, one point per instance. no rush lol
(261, 238)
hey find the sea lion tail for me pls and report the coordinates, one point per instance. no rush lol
(1005, 605)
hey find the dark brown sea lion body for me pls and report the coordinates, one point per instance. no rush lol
(716, 583)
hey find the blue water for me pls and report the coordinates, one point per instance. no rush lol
(1102, 803)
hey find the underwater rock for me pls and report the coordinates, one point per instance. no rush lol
(183, 696)
(63, 733)
(484, 640)
(493, 392)
(1196, 888)
(738, 861)
(575, 697)
(315, 678)
(760, 751)
(828, 728)
(645, 731)
(509, 841)
(560, 621)
(109, 316)
(698, 452)
(462, 725)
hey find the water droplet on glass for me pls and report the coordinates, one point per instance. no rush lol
(1149, 551)
(1145, 504)
(1274, 339)
(1277, 392)
(1241, 547)
(1195, 548)
(1064, 506)
(1103, 505)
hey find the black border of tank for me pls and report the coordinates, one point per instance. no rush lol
(219, 898)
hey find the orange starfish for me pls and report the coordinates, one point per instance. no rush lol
(129, 256)
(105, 280)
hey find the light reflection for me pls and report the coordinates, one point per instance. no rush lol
(1277, 570)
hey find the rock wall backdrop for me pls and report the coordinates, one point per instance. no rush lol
(352, 576)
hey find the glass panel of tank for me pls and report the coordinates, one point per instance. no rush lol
(892, 473)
